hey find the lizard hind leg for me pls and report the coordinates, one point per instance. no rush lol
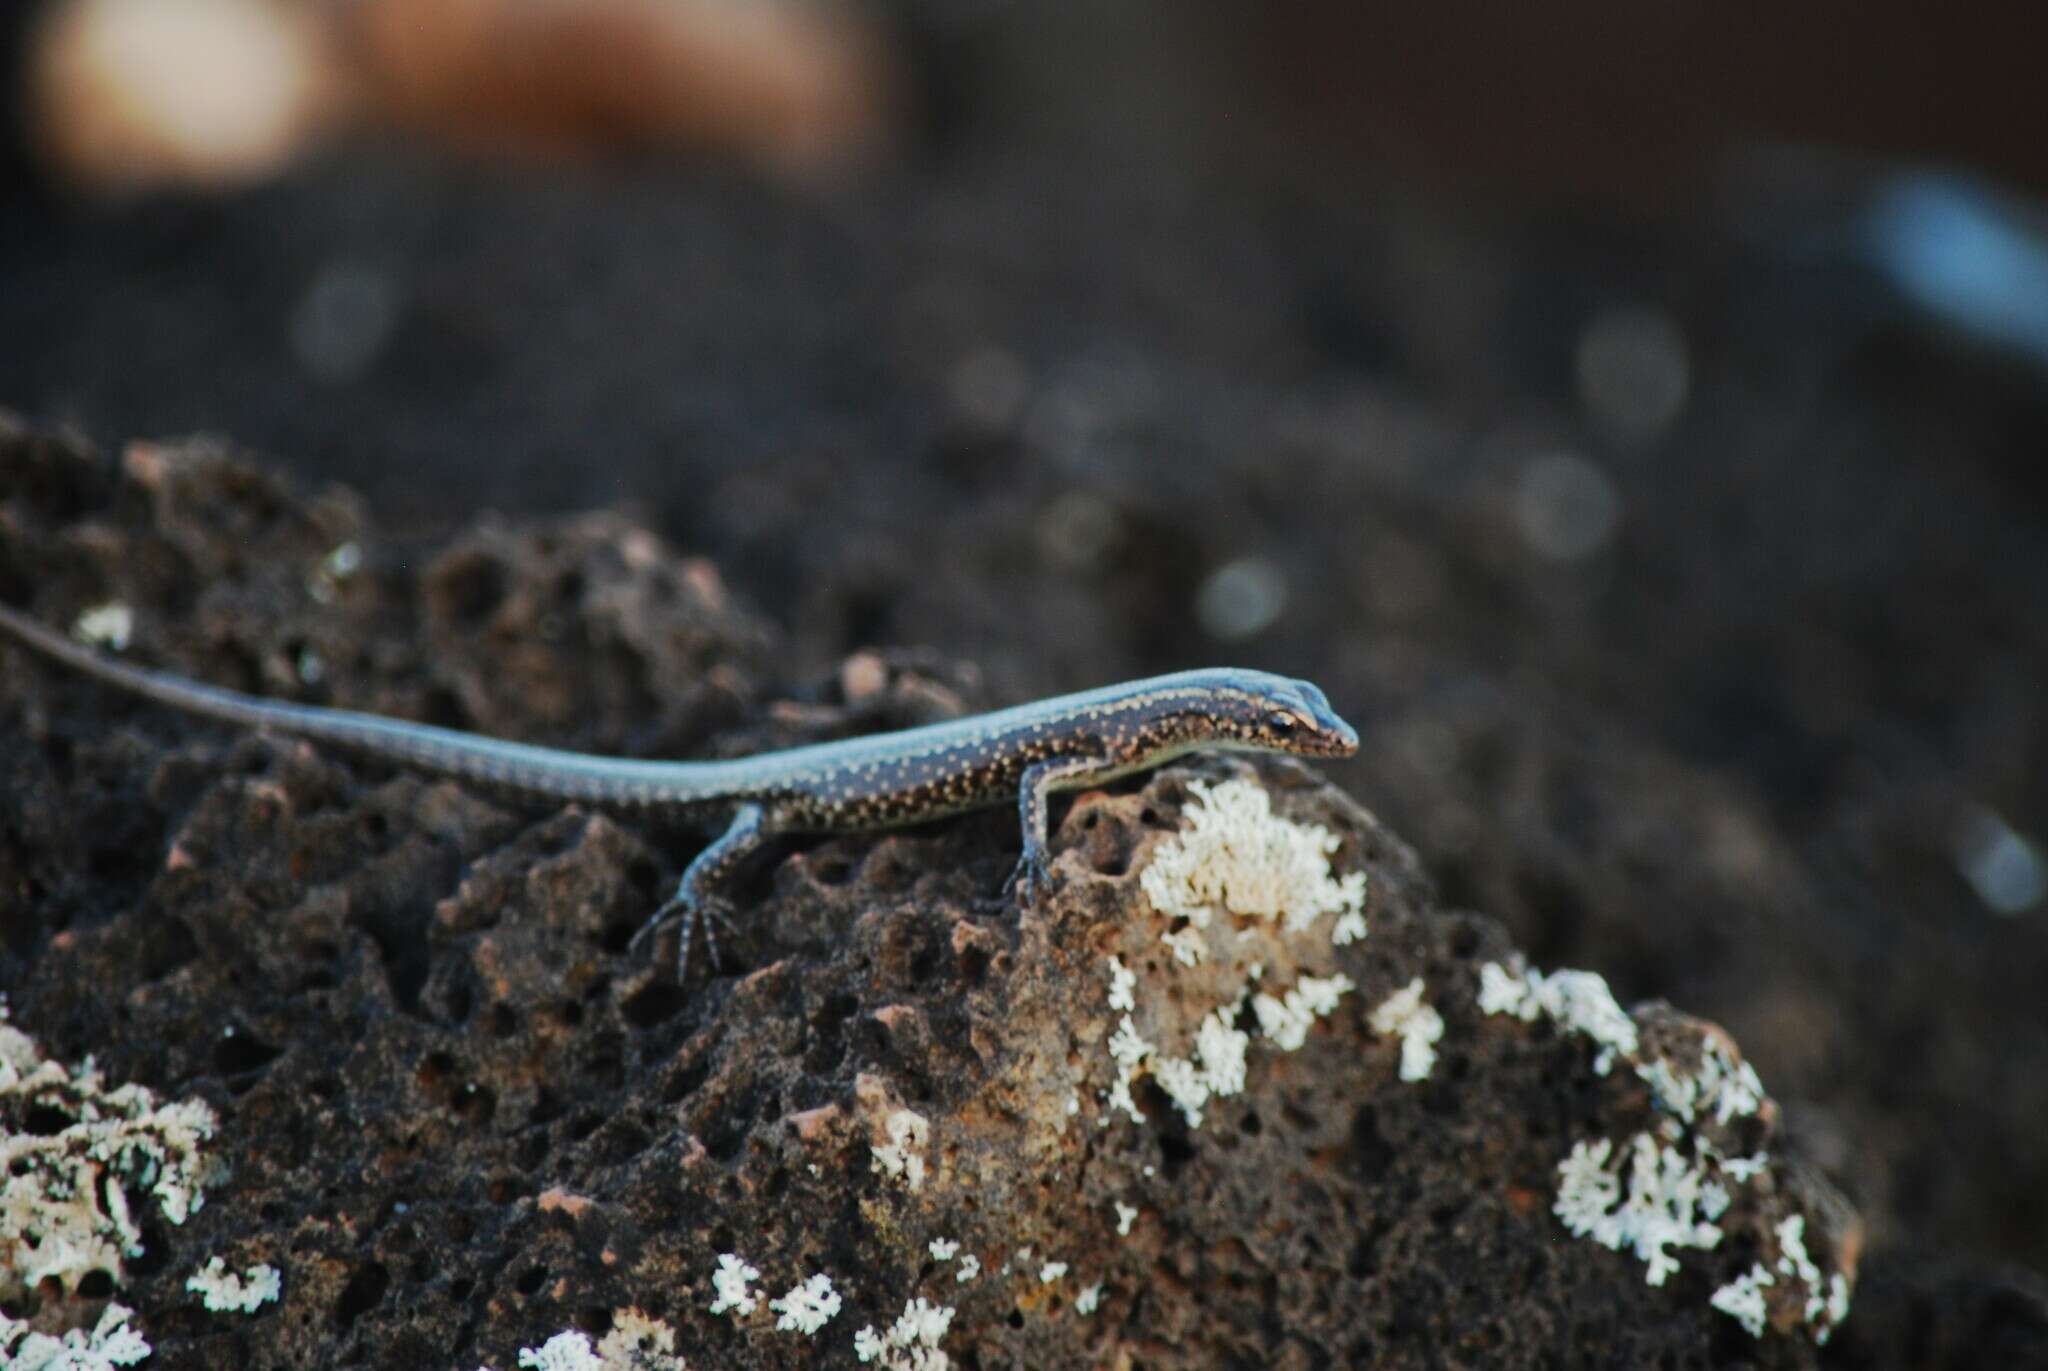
(696, 893)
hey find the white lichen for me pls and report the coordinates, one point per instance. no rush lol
(806, 1308)
(1089, 1300)
(1126, 1215)
(110, 1344)
(1128, 1049)
(1827, 1300)
(638, 1342)
(943, 1249)
(902, 1156)
(1051, 1272)
(1501, 991)
(1577, 1001)
(1127, 1046)
(70, 1184)
(222, 1291)
(111, 625)
(1217, 1067)
(1742, 1299)
(1404, 1015)
(1665, 1203)
(1235, 858)
(1721, 1086)
(568, 1350)
(1233, 854)
(1188, 946)
(1122, 981)
(730, 1281)
(1287, 1020)
(1349, 928)
(1838, 1304)
(912, 1342)
(1119, 1097)
(970, 1267)
(1678, 1180)
(1743, 1169)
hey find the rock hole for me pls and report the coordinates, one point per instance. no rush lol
(686, 1081)
(400, 937)
(435, 1071)
(167, 946)
(504, 1020)
(1370, 1153)
(465, 587)
(365, 1289)
(532, 1279)
(477, 1105)
(1300, 1119)
(121, 866)
(654, 1004)
(622, 1142)
(723, 1138)
(1175, 1151)
(45, 1121)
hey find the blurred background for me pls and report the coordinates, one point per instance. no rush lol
(1633, 416)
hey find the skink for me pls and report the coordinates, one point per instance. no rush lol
(881, 781)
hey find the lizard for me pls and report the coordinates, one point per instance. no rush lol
(879, 781)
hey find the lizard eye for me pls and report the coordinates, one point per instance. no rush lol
(1282, 725)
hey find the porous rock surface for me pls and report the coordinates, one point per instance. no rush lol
(460, 1114)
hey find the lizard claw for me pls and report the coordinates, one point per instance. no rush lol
(679, 908)
(1032, 877)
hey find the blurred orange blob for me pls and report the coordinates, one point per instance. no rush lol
(130, 93)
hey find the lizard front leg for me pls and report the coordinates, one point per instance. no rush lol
(1034, 789)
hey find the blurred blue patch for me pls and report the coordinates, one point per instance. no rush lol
(1965, 254)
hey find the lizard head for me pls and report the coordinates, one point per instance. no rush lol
(1256, 711)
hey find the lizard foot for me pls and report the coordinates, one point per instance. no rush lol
(1032, 877)
(679, 908)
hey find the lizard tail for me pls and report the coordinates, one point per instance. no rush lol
(542, 772)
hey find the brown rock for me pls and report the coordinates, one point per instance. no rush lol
(476, 1115)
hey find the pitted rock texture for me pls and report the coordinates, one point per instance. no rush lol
(460, 1114)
